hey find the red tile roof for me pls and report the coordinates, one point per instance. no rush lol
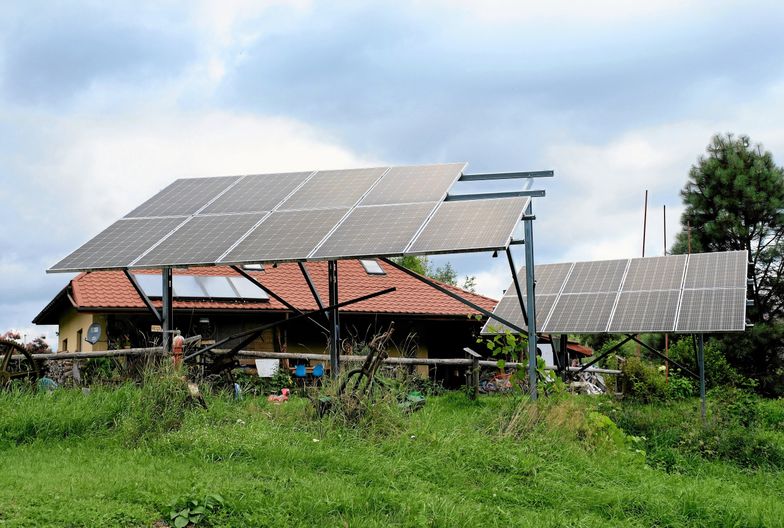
(112, 290)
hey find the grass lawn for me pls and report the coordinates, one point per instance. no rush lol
(117, 457)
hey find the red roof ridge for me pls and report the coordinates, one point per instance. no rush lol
(111, 289)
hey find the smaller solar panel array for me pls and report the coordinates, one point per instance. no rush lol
(353, 213)
(202, 287)
(703, 292)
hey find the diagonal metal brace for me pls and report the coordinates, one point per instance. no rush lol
(450, 293)
(662, 356)
(145, 299)
(255, 332)
(275, 296)
(313, 291)
(604, 354)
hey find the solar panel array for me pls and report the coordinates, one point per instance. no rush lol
(704, 292)
(201, 286)
(354, 213)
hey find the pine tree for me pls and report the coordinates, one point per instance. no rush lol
(734, 200)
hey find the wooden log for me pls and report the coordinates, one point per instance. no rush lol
(398, 360)
(59, 356)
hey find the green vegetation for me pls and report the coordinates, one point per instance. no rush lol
(734, 200)
(446, 273)
(134, 456)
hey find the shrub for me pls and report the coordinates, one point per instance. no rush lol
(643, 381)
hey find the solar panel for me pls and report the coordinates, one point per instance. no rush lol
(183, 197)
(289, 217)
(333, 189)
(217, 287)
(655, 273)
(375, 231)
(473, 225)
(717, 270)
(423, 183)
(645, 311)
(596, 276)
(509, 309)
(248, 290)
(119, 244)
(654, 295)
(285, 235)
(151, 285)
(719, 310)
(549, 279)
(201, 241)
(185, 286)
(256, 193)
(580, 313)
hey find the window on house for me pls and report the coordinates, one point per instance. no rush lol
(372, 267)
(65, 345)
(79, 340)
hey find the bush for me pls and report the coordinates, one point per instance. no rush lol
(742, 429)
(643, 381)
(718, 371)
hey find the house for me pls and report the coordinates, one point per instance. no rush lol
(216, 302)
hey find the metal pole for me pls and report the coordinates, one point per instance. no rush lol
(334, 321)
(516, 284)
(701, 358)
(666, 336)
(167, 312)
(563, 341)
(528, 221)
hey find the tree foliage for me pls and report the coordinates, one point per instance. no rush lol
(734, 200)
(446, 273)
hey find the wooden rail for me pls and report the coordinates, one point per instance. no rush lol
(404, 360)
(473, 360)
(58, 356)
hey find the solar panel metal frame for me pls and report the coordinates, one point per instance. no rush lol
(360, 234)
(509, 308)
(209, 203)
(737, 315)
(548, 276)
(317, 190)
(673, 290)
(274, 230)
(665, 306)
(149, 231)
(412, 184)
(257, 193)
(184, 197)
(173, 249)
(414, 248)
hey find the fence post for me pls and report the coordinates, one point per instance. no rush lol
(473, 379)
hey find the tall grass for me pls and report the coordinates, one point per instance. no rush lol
(117, 457)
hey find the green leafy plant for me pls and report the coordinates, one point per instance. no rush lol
(506, 345)
(194, 509)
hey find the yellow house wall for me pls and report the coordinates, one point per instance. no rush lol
(71, 322)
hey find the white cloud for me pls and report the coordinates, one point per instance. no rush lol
(107, 166)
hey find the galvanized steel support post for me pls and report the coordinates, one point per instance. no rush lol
(516, 283)
(701, 360)
(530, 284)
(334, 319)
(167, 311)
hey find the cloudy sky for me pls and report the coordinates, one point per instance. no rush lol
(104, 103)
